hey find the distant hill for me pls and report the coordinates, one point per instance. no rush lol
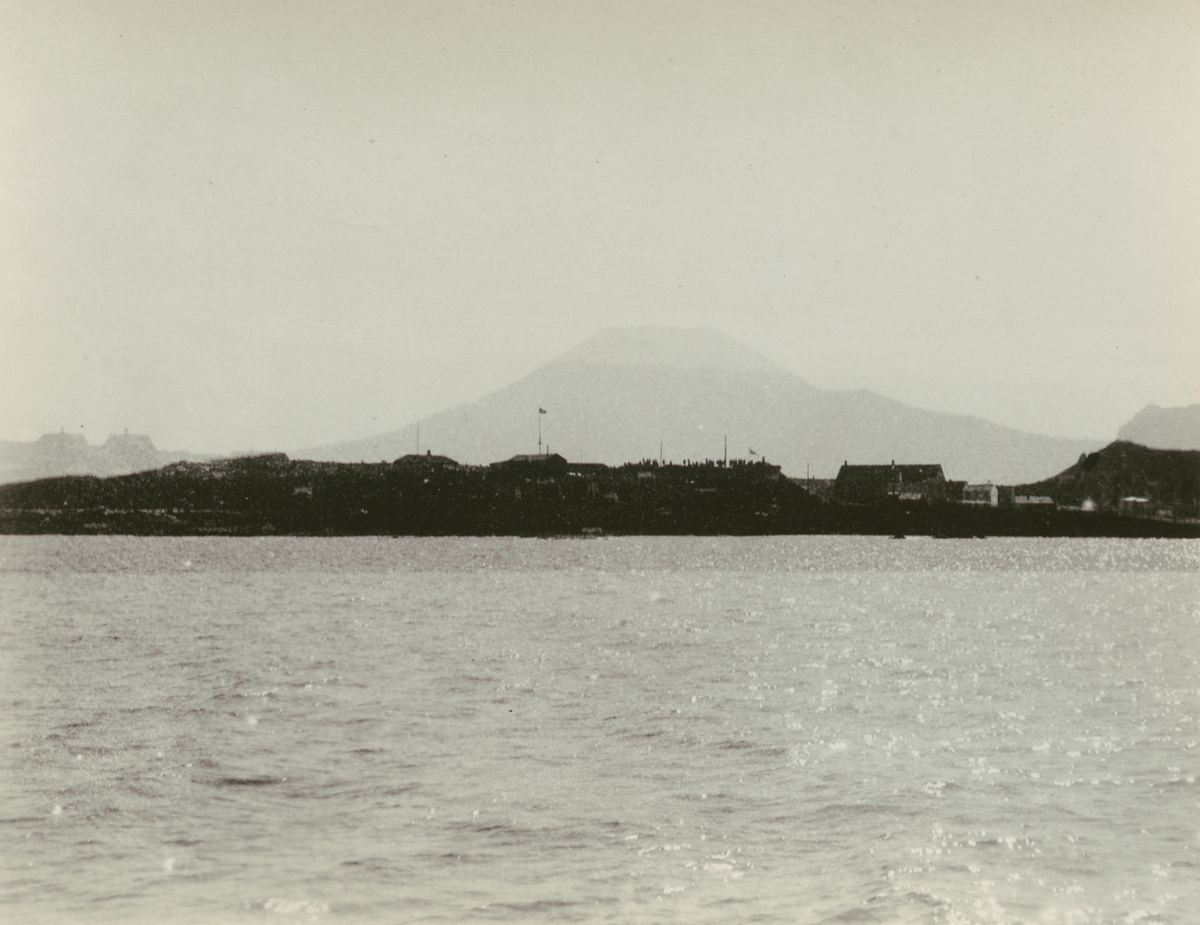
(1164, 428)
(70, 454)
(1130, 478)
(619, 395)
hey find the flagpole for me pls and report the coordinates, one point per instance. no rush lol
(539, 431)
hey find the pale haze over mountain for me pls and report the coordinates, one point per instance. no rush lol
(234, 226)
(621, 394)
(70, 454)
(1165, 428)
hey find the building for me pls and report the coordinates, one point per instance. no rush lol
(987, 494)
(129, 453)
(919, 482)
(546, 465)
(70, 454)
(424, 464)
(1137, 506)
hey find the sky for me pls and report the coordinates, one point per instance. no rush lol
(280, 224)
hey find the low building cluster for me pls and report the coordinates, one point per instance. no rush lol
(870, 484)
(1170, 494)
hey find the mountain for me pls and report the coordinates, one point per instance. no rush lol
(1164, 428)
(621, 394)
(1129, 478)
(70, 454)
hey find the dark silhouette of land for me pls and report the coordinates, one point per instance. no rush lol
(547, 496)
(1129, 479)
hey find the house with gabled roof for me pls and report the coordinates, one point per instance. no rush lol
(906, 482)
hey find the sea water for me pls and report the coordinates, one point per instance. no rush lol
(783, 729)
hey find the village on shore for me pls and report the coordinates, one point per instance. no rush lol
(1122, 490)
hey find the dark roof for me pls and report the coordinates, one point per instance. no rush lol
(130, 440)
(425, 460)
(536, 459)
(918, 472)
(533, 463)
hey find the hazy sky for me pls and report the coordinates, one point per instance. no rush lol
(281, 224)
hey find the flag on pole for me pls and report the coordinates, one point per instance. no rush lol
(541, 410)
(752, 453)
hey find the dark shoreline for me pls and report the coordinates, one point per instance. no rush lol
(272, 495)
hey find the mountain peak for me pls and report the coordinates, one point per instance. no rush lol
(1164, 428)
(674, 348)
(687, 393)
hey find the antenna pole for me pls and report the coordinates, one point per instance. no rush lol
(539, 431)
(726, 463)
